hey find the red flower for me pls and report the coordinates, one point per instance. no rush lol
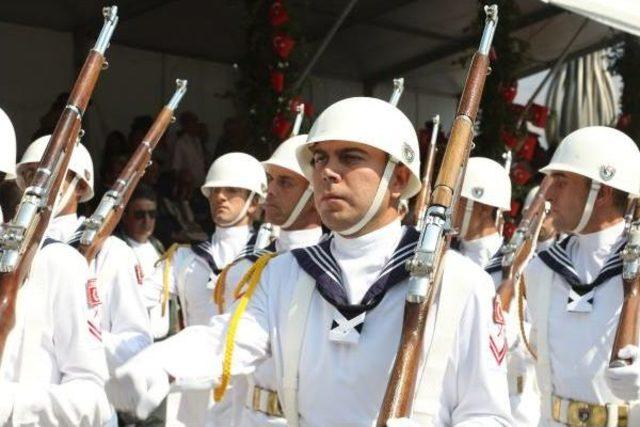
(515, 207)
(521, 173)
(528, 149)
(278, 14)
(283, 45)
(509, 91)
(277, 81)
(508, 229)
(623, 122)
(508, 139)
(281, 127)
(538, 115)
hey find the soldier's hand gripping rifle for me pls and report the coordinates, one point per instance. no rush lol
(426, 265)
(517, 253)
(629, 322)
(104, 220)
(424, 196)
(21, 237)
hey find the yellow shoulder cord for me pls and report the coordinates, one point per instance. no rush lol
(238, 292)
(521, 298)
(167, 257)
(218, 290)
(259, 265)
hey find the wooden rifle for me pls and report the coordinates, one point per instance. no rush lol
(517, 253)
(424, 196)
(21, 237)
(629, 321)
(426, 265)
(104, 220)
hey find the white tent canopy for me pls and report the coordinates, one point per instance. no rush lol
(623, 15)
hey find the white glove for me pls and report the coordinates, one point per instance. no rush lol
(402, 422)
(624, 382)
(7, 391)
(142, 384)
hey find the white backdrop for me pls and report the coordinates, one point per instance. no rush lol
(38, 64)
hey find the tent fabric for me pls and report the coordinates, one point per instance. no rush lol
(623, 15)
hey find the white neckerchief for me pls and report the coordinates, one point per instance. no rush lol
(62, 227)
(589, 252)
(481, 250)
(361, 259)
(227, 242)
(545, 244)
(293, 239)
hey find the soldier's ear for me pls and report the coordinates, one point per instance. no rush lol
(399, 180)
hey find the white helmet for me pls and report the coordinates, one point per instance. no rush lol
(375, 123)
(485, 181)
(8, 144)
(285, 157)
(602, 154)
(80, 164)
(238, 170)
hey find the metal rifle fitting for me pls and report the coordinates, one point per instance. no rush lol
(110, 21)
(93, 224)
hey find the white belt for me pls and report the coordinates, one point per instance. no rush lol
(574, 413)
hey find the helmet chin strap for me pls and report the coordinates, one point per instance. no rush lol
(377, 200)
(466, 218)
(242, 213)
(297, 209)
(65, 196)
(588, 207)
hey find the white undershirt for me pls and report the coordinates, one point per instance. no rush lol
(62, 227)
(293, 239)
(227, 242)
(481, 250)
(589, 252)
(360, 272)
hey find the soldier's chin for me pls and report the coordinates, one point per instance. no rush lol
(337, 221)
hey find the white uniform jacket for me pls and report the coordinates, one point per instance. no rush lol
(121, 312)
(53, 367)
(573, 354)
(341, 383)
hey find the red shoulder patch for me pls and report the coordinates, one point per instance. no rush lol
(139, 274)
(93, 298)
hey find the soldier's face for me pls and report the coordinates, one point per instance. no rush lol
(226, 203)
(345, 179)
(283, 192)
(568, 193)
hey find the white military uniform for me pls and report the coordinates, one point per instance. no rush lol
(147, 256)
(342, 381)
(53, 367)
(523, 389)
(121, 312)
(574, 333)
(262, 384)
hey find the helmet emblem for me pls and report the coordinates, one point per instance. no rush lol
(607, 172)
(407, 153)
(477, 192)
(87, 175)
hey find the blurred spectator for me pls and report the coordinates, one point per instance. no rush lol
(115, 145)
(234, 138)
(10, 196)
(50, 119)
(188, 152)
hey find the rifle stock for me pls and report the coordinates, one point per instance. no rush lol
(108, 213)
(521, 247)
(629, 321)
(21, 238)
(426, 265)
(422, 200)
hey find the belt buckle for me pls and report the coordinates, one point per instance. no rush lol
(582, 414)
(273, 405)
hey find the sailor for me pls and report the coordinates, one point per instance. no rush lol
(330, 315)
(8, 144)
(288, 206)
(115, 272)
(574, 289)
(486, 191)
(52, 369)
(234, 184)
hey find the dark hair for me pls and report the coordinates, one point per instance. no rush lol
(144, 191)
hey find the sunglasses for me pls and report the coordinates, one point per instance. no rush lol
(141, 214)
